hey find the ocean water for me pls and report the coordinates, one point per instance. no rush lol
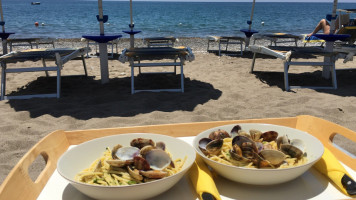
(74, 18)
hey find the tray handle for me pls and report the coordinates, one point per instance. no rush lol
(325, 131)
(18, 184)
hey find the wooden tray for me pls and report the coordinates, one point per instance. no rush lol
(18, 185)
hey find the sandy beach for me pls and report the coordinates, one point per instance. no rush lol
(216, 88)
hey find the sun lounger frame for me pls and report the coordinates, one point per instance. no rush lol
(31, 42)
(110, 43)
(160, 41)
(273, 38)
(136, 56)
(53, 55)
(226, 40)
(286, 57)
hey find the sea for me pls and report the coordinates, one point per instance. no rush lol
(74, 18)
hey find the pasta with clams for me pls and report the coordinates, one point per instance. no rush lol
(254, 149)
(141, 162)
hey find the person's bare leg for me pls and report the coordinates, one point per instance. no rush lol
(322, 25)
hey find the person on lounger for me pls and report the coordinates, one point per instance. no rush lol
(325, 25)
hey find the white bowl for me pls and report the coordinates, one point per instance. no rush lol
(80, 157)
(314, 149)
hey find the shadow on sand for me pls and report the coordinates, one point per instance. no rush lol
(114, 98)
(346, 81)
(249, 54)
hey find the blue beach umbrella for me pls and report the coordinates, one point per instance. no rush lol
(102, 39)
(251, 16)
(131, 32)
(132, 38)
(249, 32)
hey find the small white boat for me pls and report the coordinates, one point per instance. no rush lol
(35, 3)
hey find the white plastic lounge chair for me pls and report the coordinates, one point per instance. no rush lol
(178, 54)
(226, 40)
(59, 55)
(160, 41)
(285, 54)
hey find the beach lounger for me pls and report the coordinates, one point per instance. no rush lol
(350, 30)
(59, 55)
(277, 38)
(31, 42)
(285, 54)
(348, 50)
(312, 40)
(153, 55)
(226, 40)
(160, 41)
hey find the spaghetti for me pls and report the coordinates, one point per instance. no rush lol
(224, 155)
(100, 172)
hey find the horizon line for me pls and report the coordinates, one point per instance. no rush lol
(245, 1)
(239, 1)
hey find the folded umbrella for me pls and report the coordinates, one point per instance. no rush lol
(330, 166)
(202, 180)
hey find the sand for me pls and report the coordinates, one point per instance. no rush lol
(216, 88)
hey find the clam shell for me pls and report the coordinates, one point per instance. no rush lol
(140, 163)
(127, 153)
(299, 144)
(292, 151)
(219, 135)
(155, 174)
(246, 144)
(158, 159)
(141, 142)
(282, 140)
(269, 136)
(235, 130)
(255, 134)
(161, 145)
(214, 146)
(275, 157)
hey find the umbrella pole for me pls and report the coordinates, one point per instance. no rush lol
(132, 36)
(247, 39)
(101, 23)
(103, 49)
(252, 11)
(329, 45)
(333, 16)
